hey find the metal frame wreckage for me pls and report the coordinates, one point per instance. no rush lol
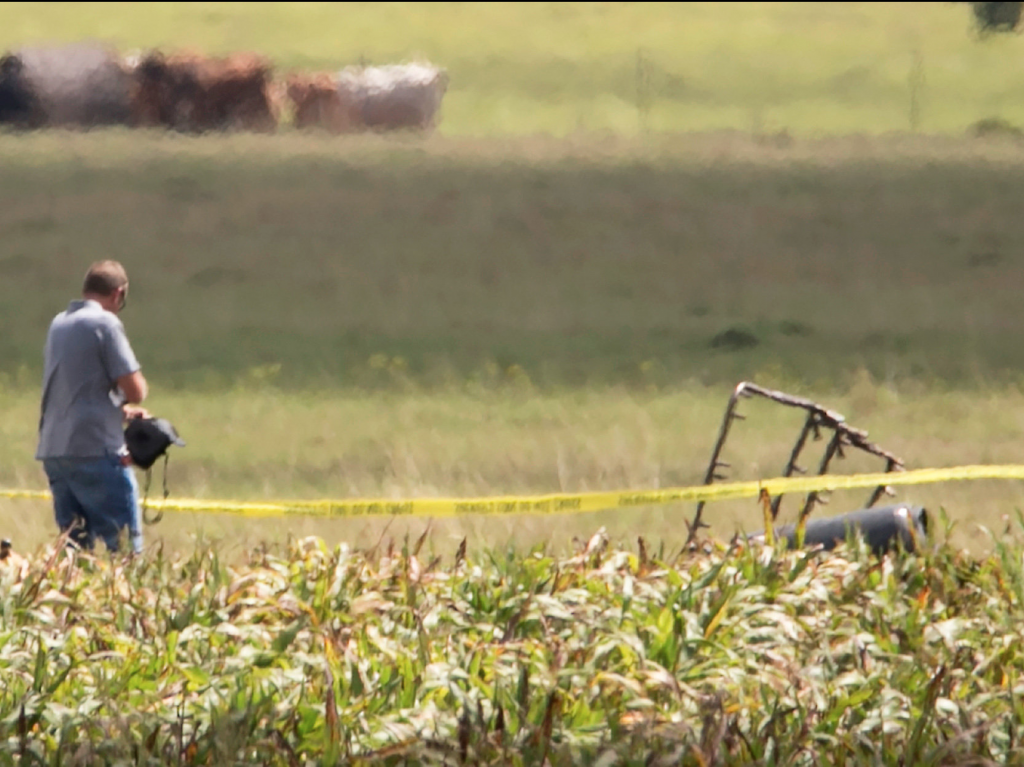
(818, 420)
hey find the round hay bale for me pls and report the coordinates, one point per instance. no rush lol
(18, 105)
(76, 85)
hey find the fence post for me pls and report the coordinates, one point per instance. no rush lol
(643, 91)
(915, 82)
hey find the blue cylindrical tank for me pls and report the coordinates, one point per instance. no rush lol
(880, 527)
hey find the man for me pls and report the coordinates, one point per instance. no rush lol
(92, 383)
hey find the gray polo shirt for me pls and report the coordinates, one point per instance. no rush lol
(87, 350)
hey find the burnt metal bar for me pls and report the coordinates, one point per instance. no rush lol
(834, 446)
(809, 426)
(884, 489)
(715, 463)
(818, 417)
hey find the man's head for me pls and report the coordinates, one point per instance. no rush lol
(106, 282)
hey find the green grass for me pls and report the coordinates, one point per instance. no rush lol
(584, 262)
(560, 68)
(471, 315)
(461, 318)
(378, 656)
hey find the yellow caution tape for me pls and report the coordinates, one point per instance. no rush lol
(566, 503)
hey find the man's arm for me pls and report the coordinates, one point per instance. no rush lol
(120, 362)
(134, 387)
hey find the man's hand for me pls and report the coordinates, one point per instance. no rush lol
(134, 411)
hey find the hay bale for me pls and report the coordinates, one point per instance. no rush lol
(396, 96)
(18, 105)
(81, 85)
(317, 102)
(193, 93)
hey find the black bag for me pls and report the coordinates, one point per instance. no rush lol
(147, 439)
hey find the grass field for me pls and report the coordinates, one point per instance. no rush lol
(563, 68)
(541, 297)
(458, 318)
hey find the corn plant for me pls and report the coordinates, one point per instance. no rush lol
(726, 655)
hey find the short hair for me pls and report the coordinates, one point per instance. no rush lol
(104, 277)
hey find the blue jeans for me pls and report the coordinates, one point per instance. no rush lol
(100, 494)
